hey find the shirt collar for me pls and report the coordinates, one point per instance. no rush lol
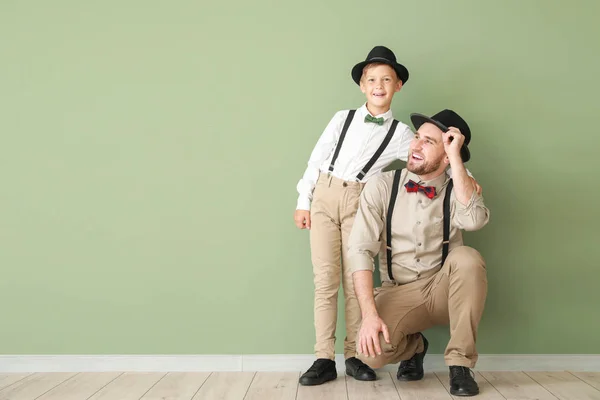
(386, 115)
(439, 182)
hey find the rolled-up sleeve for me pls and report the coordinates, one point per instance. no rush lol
(365, 239)
(472, 216)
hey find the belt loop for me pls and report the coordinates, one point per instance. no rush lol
(329, 180)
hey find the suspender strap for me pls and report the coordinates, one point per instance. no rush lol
(388, 225)
(341, 139)
(380, 150)
(446, 242)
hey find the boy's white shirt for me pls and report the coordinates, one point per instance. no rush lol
(361, 141)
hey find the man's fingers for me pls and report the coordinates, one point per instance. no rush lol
(386, 333)
(377, 345)
(308, 221)
(370, 341)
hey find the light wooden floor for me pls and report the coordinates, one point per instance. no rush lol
(284, 386)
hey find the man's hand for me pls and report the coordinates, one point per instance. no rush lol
(453, 141)
(302, 219)
(368, 336)
(477, 187)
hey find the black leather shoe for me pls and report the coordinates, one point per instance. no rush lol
(412, 369)
(462, 382)
(359, 370)
(322, 370)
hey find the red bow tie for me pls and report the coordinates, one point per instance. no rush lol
(413, 186)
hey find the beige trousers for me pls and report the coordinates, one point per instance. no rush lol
(455, 295)
(333, 209)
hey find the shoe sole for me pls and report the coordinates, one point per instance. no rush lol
(361, 379)
(325, 379)
(463, 394)
(410, 379)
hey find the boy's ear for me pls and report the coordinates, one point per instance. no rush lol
(362, 86)
(398, 85)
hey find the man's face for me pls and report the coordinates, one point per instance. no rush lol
(427, 153)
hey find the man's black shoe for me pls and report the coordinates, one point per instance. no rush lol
(322, 370)
(412, 369)
(462, 382)
(359, 370)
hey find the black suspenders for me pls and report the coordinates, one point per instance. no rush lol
(377, 153)
(341, 140)
(388, 225)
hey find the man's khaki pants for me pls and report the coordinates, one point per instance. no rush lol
(333, 209)
(455, 295)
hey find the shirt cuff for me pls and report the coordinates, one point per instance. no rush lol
(303, 203)
(361, 262)
(465, 209)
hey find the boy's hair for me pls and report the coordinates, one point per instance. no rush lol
(376, 64)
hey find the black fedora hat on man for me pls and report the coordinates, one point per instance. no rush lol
(380, 54)
(444, 120)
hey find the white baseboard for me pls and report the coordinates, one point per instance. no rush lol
(273, 362)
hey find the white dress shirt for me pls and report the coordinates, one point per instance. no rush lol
(361, 142)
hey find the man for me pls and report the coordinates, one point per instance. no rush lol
(403, 215)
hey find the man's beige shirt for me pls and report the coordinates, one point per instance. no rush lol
(417, 227)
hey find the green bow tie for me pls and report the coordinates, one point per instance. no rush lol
(370, 118)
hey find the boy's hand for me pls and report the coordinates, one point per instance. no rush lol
(302, 219)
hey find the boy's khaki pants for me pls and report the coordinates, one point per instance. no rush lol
(333, 209)
(454, 295)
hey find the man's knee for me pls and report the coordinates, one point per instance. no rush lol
(465, 259)
(374, 362)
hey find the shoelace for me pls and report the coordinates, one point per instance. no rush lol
(412, 363)
(463, 372)
(319, 366)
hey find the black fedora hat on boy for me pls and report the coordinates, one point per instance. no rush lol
(380, 54)
(444, 120)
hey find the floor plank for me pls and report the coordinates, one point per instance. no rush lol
(565, 386)
(515, 385)
(591, 378)
(382, 388)
(334, 390)
(81, 386)
(428, 388)
(129, 386)
(9, 379)
(486, 390)
(225, 386)
(177, 386)
(273, 386)
(34, 385)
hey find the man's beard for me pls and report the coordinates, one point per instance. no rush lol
(426, 168)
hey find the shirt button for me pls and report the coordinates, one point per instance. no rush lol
(418, 260)
(344, 184)
(418, 222)
(419, 202)
(419, 244)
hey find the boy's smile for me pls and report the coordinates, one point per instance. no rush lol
(379, 83)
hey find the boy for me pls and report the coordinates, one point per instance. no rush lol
(355, 145)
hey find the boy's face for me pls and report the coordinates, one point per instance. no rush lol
(379, 83)
(426, 153)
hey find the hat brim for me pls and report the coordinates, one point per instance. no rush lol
(419, 119)
(400, 69)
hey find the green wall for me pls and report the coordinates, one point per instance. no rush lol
(150, 152)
